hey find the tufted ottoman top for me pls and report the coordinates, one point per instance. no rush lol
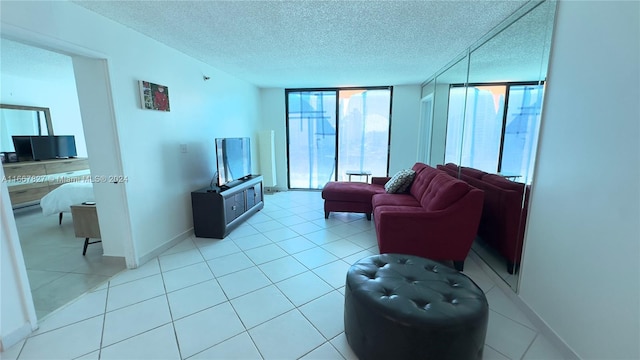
(416, 291)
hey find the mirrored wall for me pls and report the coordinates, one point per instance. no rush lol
(480, 121)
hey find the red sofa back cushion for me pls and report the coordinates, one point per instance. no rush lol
(424, 174)
(443, 191)
(478, 174)
(503, 183)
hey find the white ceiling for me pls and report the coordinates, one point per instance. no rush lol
(315, 43)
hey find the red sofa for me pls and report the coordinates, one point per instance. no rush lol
(503, 220)
(437, 218)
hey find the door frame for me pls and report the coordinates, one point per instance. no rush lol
(96, 100)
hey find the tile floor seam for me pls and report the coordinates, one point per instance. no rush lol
(134, 303)
(173, 324)
(314, 325)
(264, 321)
(254, 344)
(498, 351)
(104, 320)
(530, 345)
(333, 346)
(515, 320)
(128, 338)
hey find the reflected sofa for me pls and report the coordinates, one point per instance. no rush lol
(504, 209)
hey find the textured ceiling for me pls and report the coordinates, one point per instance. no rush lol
(314, 43)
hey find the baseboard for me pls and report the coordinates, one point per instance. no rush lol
(536, 320)
(14, 337)
(164, 247)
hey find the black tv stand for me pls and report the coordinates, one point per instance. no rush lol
(219, 210)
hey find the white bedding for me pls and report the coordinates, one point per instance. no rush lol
(61, 198)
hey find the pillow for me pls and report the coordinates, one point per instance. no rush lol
(400, 181)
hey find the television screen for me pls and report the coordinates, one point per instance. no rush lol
(22, 146)
(31, 147)
(43, 147)
(66, 146)
(234, 159)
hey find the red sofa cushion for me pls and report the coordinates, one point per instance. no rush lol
(443, 191)
(350, 191)
(421, 181)
(478, 174)
(395, 200)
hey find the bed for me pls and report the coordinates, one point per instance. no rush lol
(59, 200)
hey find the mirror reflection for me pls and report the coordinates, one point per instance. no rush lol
(487, 110)
(22, 120)
(446, 137)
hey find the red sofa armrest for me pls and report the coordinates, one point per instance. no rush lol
(380, 180)
(440, 235)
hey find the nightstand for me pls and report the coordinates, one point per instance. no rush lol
(85, 223)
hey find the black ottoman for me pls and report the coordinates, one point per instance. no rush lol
(408, 307)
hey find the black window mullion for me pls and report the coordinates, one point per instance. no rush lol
(504, 127)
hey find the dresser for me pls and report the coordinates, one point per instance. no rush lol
(29, 181)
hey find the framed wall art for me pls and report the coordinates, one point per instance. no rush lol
(154, 96)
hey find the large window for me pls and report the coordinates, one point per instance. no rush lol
(333, 131)
(497, 130)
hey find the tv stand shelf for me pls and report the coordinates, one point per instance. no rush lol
(216, 211)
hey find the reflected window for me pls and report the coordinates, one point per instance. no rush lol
(497, 129)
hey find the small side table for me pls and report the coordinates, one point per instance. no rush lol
(361, 173)
(85, 224)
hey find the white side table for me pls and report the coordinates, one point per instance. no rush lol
(360, 173)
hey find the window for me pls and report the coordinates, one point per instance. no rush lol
(343, 129)
(497, 131)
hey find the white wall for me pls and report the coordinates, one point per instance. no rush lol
(581, 268)
(405, 122)
(273, 118)
(405, 117)
(160, 178)
(46, 80)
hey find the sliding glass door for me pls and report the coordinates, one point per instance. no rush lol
(331, 132)
(311, 138)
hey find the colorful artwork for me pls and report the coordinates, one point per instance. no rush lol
(154, 96)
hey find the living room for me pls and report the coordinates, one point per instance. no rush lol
(155, 208)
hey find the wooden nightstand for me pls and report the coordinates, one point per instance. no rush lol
(85, 223)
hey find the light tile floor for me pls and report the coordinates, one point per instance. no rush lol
(273, 289)
(57, 271)
(495, 261)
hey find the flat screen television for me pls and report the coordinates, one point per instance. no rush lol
(31, 147)
(43, 147)
(66, 146)
(233, 160)
(22, 146)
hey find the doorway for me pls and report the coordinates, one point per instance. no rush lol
(333, 134)
(93, 91)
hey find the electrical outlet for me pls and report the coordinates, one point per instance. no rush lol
(183, 148)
